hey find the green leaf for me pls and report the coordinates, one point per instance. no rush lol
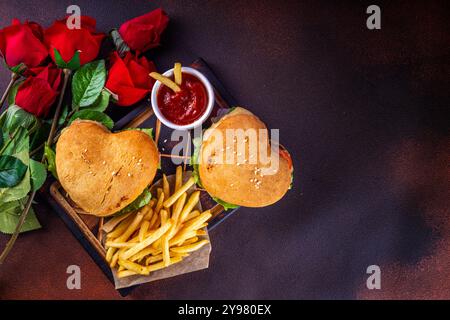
(50, 160)
(225, 204)
(20, 190)
(140, 201)
(87, 83)
(119, 43)
(148, 131)
(39, 138)
(63, 115)
(73, 64)
(16, 142)
(98, 116)
(12, 94)
(38, 174)
(15, 117)
(10, 214)
(197, 142)
(12, 171)
(102, 102)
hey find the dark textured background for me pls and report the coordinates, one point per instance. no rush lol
(363, 114)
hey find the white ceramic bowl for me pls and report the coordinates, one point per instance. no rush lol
(199, 121)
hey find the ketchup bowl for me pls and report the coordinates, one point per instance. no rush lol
(188, 108)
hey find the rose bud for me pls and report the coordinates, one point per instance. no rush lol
(22, 43)
(129, 78)
(68, 41)
(37, 94)
(144, 32)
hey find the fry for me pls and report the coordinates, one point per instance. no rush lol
(165, 250)
(147, 241)
(178, 178)
(143, 229)
(165, 81)
(131, 228)
(166, 187)
(201, 232)
(109, 254)
(164, 216)
(193, 200)
(190, 241)
(196, 222)
(144, 253)
(160, 202)
(154, 220)
(176, 213)
(177, 73)
(181, 237)
(152, 203)
(190, 247)
(134, 267)
(112, 244)
(158, 192)
(125, 273)
(121, 227)
(114, 222)
(160, 265)
(114, 260)
(171, 200)
(148, 215)
(153, 259)
(192, 215)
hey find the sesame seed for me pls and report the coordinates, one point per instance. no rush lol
(113, 173)
(129, 174)
(104, 162)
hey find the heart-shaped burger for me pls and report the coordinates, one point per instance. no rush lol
(236, 164)
(103, 172)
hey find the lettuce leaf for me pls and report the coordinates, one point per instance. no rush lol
(142, 200)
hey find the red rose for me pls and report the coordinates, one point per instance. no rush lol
(143, 33)
(67, 41)
(129, 79)
(37, 94)
(22, 43)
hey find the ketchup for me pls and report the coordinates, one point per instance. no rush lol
(185, 106)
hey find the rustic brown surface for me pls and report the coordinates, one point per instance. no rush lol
(363, 114)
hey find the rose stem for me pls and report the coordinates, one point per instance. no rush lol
(24, 214)
(14, 77)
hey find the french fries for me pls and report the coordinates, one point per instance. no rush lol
(177, 73)
(159, 234)
(165, 81)
(174, 197)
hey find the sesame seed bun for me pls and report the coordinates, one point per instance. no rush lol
(247, 181)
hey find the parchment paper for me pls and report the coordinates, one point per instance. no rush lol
(197, 260)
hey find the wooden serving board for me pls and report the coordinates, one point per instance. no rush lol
(86, 227)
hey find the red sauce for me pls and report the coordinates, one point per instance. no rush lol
(185, 106)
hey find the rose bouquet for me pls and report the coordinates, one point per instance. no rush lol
(44, 64)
